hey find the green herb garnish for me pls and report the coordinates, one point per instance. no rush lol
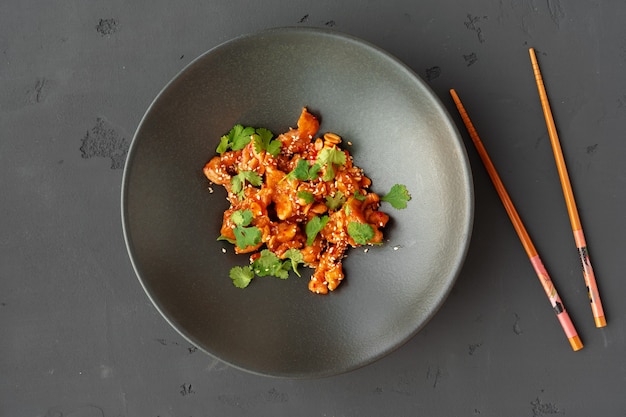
(304, 171)
(306, 196)
(295, 257)
(227, 239)
(360, 232)
(268, 264)
(224, 145)
(245, 235)
(242, 217)
(241, 276)
(263, 141)
(330, 157)
(358, 196)
(313, 227)
(325, 165)
(336, 201)
(236, 139)
(398, 196)
(238, 182)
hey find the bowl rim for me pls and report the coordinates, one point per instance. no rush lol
(469, 208)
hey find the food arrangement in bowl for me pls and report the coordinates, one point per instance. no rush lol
(301, 197)
(352, 121)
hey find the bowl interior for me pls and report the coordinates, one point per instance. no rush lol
(400, 133)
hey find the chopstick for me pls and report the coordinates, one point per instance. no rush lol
(579, 237)
(531, 251)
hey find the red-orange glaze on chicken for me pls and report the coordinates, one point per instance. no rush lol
(283, 204)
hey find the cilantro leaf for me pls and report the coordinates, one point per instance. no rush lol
(268, 264)
(242, 217)
(240, 136)
(263, 141)
(301, 171)
(274, 147)
(236, 139)
(360, 232)
(306, 196)
(239, 181)
(336, 201)
(229, 240)
(224, 145)
(313, 227)
(295, 257)
(263, 136)
(329, 174)
(252, 177)
(244, 236)
(304, 171)
(247, 236)
(241, 276)
(330, 157)
(359, 196)
(283, 272)
(397, 196)
(237, 184)
(314, 171)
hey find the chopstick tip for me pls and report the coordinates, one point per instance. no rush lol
(454, 95)
(576, 343)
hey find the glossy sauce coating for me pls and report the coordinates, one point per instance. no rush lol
(283, 205)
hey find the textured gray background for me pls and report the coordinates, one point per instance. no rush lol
(78, 336)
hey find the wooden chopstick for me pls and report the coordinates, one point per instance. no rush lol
(531, 251)
(579, 237)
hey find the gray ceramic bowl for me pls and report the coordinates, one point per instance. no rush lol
(400, 133)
